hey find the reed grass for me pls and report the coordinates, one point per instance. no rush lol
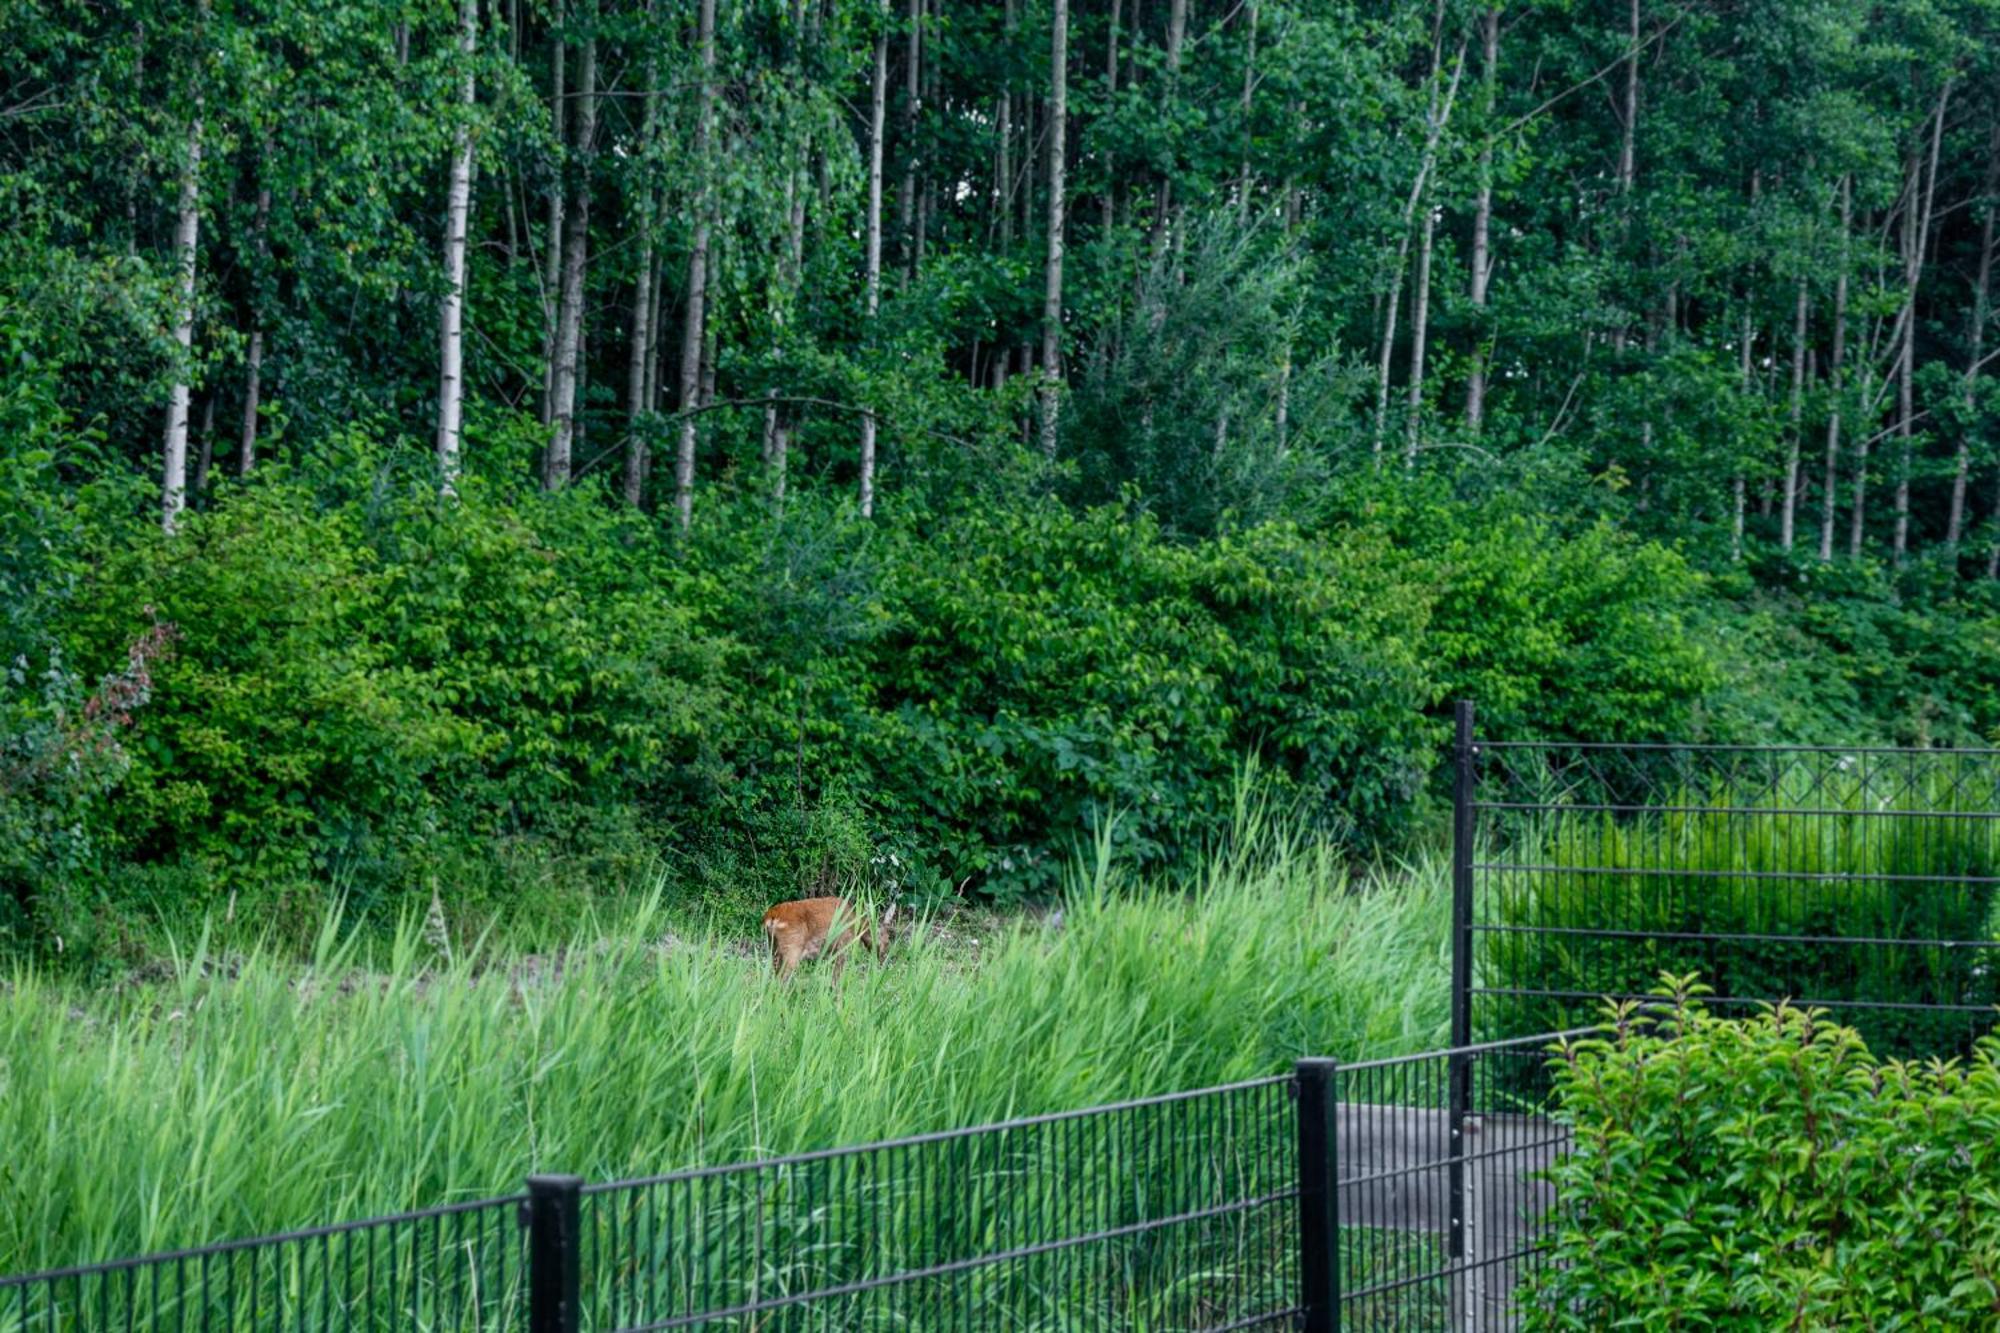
(234, 1096)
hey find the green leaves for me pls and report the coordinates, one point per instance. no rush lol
(1769, 1173)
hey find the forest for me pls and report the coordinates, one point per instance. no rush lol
(476, 454)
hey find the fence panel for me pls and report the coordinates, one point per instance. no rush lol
(456, 1269)
(1861, 880)
(1170, 1212)
(1442, 1206)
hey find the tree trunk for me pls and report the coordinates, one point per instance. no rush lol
(576, 240)
(552, 256)
(1828, 498)
(1628, 140)
(872, 258)
(207, 453)
(253, 367)
(1788, 512)
(641, 351)
(451, 341)
(1003, 167)
(1109, 203)
(1436, 118)
(1857, 521)
(1918, 230)
(1739, 488)
(1052, 277)
(1482, 229)
(906, 192)
(187, 238)
(1975, 340)
(693, 320)
(1243, 111)
(1420, 319)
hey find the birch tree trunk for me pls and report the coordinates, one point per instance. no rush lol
(1109, 203)
(1975, 340)
(1243, 111)
(1628, 140)
(1857, 520)
(187, 239)
(552, 256)
(451, 341)
(641, 351)
(1918, 230)
(1052, 277)
(1788, 511)
(1482, 228)
(1436, 118)
(872, 242)
(1828, 497)
(906, 192)
(576, 240)
(693, 321)
(253, 361)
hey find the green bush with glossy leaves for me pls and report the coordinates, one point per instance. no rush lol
(1769, 1173)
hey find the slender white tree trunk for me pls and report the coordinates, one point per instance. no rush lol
(1975, 339)
(451, 340)
(1628, 139)
(1420, 318)
(640, 354)
(878, 91)
(187, 239)
(1788, 514)
(1918, 229)
(1052, 277)
(576, 242)
(552, 256)
(1482, 228)
(253, 367)
(906, 193)
(1829, 499)
(693, 323)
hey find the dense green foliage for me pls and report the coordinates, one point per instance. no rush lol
(1400, 352)
(235, 1094)
(1770, 1173)
(1776, 895)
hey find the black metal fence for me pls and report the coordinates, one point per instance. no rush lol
(1438, 1182)
(463, 1267)
(1858, 879)
(1170, 1212)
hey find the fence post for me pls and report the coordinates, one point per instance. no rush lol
(555, 1263)
(1460, 1069)
(1319, 1208)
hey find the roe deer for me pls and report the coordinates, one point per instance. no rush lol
(799, 930)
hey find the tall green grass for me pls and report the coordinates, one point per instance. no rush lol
(235, 1096)
(1832, 893)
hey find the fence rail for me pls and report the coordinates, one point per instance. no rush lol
(1861, 879)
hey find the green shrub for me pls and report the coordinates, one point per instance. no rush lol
(1816, 859)
(368, 687)
(1766, 1174)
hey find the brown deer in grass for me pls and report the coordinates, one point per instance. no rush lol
(801, 930)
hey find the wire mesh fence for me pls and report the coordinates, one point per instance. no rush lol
(1174, 1212)
(1442, 1204)
(1859, 880)
(1169, 1212)
(461, 1268)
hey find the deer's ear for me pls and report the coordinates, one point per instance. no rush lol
(889, 915)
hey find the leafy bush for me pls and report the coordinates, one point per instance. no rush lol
(1769, 1173)
(366, 686)
(1800, 878)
